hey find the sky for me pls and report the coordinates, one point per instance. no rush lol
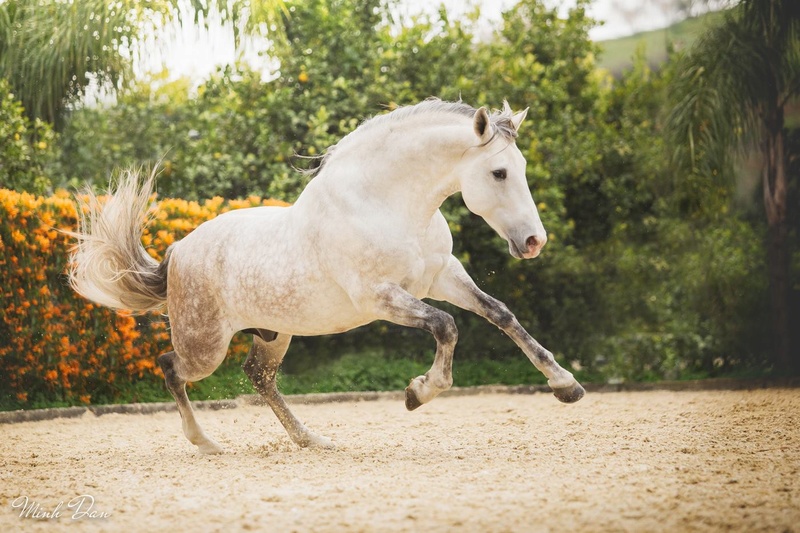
(196, 52)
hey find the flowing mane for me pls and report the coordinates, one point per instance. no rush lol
(499, 119)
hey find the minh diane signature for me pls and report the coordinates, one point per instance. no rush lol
(80, 506)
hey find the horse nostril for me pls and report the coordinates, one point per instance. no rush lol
(532, 242)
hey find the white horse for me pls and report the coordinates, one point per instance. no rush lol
(365, 241)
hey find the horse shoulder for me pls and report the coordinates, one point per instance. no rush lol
(438, 239)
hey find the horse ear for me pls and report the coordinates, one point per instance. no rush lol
(517, 119)
(481, 124)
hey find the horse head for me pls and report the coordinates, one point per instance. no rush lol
(493, 183)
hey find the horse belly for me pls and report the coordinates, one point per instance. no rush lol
(286, 291)
(311, 309)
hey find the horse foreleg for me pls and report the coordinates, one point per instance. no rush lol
(261, 366)
(177, 387)
(454, 285)
(396, 305)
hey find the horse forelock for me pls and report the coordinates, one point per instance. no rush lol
(501, 121)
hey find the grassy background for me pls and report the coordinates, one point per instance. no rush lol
(617, 53)
(358, 371)
(365, 371)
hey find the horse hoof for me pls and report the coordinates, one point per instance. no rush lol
(210, 448)
(323, 443)
(318, 442)
(570, 394)
(412, 402)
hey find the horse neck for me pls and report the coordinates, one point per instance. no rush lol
(408, 169)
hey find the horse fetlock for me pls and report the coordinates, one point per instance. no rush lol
(197, 436)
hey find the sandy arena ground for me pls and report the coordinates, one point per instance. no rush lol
(635, 461)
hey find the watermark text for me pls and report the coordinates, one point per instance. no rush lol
(79, 507)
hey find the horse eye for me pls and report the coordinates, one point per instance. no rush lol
(499, 174)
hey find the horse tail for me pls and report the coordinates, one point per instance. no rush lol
(108, 264)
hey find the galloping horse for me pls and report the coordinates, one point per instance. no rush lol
(365, 241)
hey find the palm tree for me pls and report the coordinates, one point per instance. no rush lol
(730, 96)
(51, 50)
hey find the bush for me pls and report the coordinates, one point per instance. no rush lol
(26, 148)
(55, 347)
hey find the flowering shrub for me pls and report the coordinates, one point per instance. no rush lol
(56, 346)
(27, 148)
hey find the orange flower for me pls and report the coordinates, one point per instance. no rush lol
(165, 237)
(87, 341)
(43, 242)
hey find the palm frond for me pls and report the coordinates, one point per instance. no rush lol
(246, 17)
(57, 45)
(51, 50)
(730, 80)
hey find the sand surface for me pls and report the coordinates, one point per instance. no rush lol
(635, 461)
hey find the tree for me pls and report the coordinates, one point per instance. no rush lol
(27, 148)
(731, 95)
(50, 51)
(339, 64)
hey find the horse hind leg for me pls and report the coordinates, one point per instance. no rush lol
(261, 366)
(177, 387)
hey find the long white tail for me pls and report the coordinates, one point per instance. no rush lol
(108, 264)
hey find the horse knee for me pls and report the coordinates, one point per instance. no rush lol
(260, 367)
(445, 329)
(251, 367)
(498, 314)
(265, 357)
(258, 372)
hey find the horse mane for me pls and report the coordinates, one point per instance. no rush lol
(499, 119)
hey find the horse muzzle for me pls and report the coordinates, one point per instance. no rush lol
(529, 248)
